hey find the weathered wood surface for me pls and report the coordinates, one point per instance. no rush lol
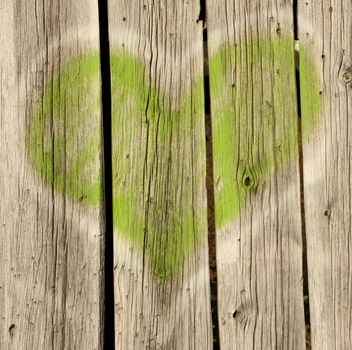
(326, 29)
(161, 254)
(50, 163)
(256, 174)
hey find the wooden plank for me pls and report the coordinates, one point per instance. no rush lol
(161, 254)
(325, 29)
(256, 174)
(51, 216)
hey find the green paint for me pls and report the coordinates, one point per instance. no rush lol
(254, 110)
(63, 136)
(157, 151)
(157, 186)
(311, 101)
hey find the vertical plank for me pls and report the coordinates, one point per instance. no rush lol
(161, 254)
(50, 164)
(256, 174)
(326, 29)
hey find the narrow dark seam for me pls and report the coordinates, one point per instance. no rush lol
(108, 316)
(301, 175)
(210, 182)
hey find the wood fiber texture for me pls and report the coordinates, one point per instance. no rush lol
(326, 29)
(256, 174)
(51, 222)
(161, 255)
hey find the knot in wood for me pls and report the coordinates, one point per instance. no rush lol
(248, 182)
(347, 76)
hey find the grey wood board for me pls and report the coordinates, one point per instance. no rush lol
(256, 174)
(161, 252)
(326, 30)
(51, 258)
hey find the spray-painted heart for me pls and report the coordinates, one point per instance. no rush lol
(158, 144)
(255, 122)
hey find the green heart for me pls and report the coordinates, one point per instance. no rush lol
(158, 146)
(254, 125)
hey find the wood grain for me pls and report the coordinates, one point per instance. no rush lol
(257, 197)
(51, 240)
(161, 254)
(326, 29)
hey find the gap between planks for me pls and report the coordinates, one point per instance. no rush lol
(210, 182)
(108, 264)
(109, 324)
(301, 180)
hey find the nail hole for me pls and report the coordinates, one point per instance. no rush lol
(11, 329)
(235, 314)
